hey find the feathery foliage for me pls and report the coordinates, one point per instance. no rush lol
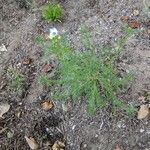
(88, 74)
(44, 81)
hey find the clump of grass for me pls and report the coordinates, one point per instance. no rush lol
(17, 80)
(52, 12)
(88, 74)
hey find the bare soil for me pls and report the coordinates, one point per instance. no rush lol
(103, 131)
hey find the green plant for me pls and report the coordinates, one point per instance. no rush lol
(17, 80)
(44, 81)
(52, 12)
(87, 74)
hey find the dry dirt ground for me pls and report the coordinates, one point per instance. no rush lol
(103, 131)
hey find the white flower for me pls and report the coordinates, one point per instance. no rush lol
(53, 32)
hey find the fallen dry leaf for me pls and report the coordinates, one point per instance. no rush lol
(118, 148)
(47, 68)
(47, 105)
(27, 61)
(61, 144)
(32, 143)
(134, 24)
(125, 18)
(4, 107)
(58, 145)
(143, 112)
(18, 114)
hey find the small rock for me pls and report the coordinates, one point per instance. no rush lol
(3, 48)
(85, 145)
(73, 127)
(4, 108)
(143, 112)
(18, 65)
(119, 125)
(136, 12)
(142, 130)
(96, 135)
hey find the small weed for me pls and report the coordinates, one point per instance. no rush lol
(88, 74)
(52, 12)
(40, 40)
(44, 80)
(17, 80)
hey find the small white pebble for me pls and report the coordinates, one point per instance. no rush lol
(123, 126)
(19, 64)
(96, 135)
(85, 145)
(20, 103)
(3, 48)
(119, 125)
(47, 129)
(136, 12)
(73, 127)
(142, 130)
